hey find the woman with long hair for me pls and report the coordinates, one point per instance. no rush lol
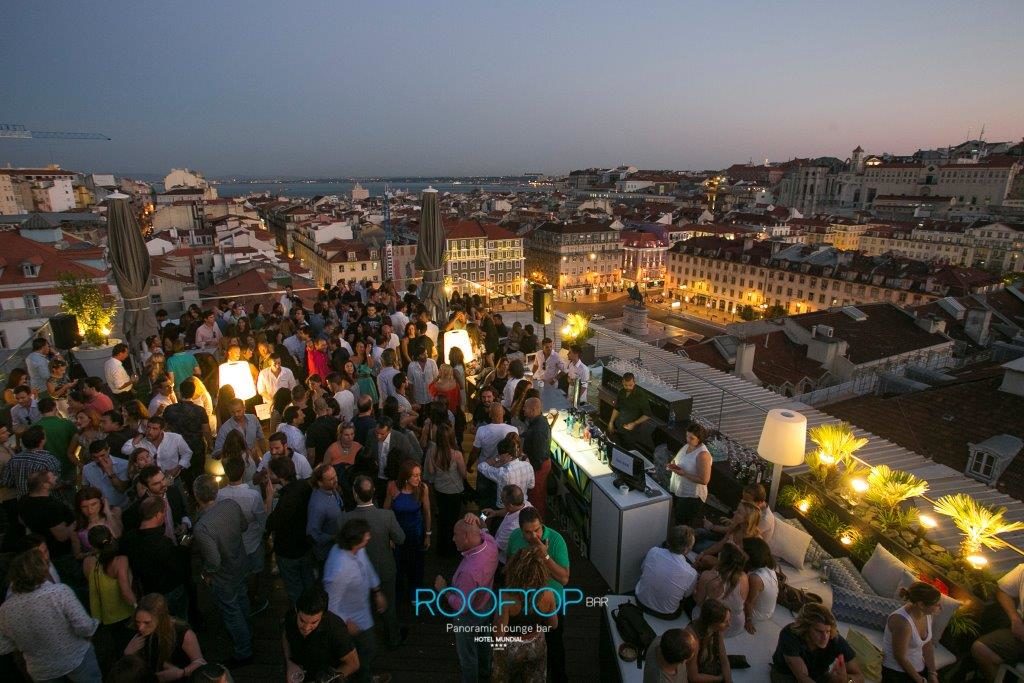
(406, 344)
(111, 596)
(745, 523)
(763, 588)
(409, 498)
(93, 510)
(712, 661)
(282, 399)
(524, 658)
(139, 459)
(234, 447)
(136, 416)
(499, 377)
(169, 647)
(908, 645)
(727, 582)
(87, 424)
(15, 379)
(348, 370)
(259, 318)
(222, 406)
(446, 469)
(446, 387)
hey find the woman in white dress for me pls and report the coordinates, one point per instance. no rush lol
(727, 582)
(691, 472)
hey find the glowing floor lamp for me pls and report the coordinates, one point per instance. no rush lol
(783, 442)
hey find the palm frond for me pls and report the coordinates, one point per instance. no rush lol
(980, 524)
(889, 487)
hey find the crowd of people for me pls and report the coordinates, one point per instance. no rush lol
(154, 497)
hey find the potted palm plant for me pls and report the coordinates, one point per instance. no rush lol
(94, 310)
(576, 331)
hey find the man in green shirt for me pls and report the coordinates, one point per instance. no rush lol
(532, 532)
(631, 410)
(59, 435)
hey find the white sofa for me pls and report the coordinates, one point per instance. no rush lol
(790, 545)
(757, 648)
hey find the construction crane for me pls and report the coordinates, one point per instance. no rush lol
(389, 243)
(15, 131)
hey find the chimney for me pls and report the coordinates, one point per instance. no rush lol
(976, 325)
(931, 324)
(1013, 378)
(744, 366)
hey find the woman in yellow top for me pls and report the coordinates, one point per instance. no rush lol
(17, 377)
(111, 598)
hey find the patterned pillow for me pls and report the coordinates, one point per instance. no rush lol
(862, 609)
(816, 555)
(840, 571)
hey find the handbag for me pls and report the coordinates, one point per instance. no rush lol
(793, 598)
(634, 629)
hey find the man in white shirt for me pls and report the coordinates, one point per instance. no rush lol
(513, 501)
(170, 452)
(485, 442)
(391, 340)
(291, 420)
(279, 449)
(516, 370)
(399, 319)
(506, 469)
(666, 578)
(1004, 645)
(273, 378)
(343, 395)
(548, 364)
(577, 371)
(163, 396)
(117, 378)
(286, 300)
(432, 329)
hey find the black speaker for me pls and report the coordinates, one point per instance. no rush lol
(543, 303)
(65, 331)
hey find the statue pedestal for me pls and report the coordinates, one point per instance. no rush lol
(634, 319)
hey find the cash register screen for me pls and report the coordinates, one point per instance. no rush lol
(629, 467)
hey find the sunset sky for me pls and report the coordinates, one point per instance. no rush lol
(413, 88)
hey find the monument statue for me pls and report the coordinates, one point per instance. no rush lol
(636, 295)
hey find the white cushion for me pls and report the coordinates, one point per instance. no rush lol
(790, 544)
(884, 571)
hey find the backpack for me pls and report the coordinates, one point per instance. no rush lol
(634, 629)
(793, 598)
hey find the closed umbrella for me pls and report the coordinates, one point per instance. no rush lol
(430, 252)
(129, 261)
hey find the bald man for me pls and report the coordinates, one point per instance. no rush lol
(476, 570)
(485, 443)
(537, 447)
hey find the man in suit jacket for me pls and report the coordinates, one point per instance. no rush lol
(385, 533)
(155, 482)
(385, 454)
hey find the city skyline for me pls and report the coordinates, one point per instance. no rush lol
(249, 89)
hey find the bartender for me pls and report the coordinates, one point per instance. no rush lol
(577, 372)
(631, 410)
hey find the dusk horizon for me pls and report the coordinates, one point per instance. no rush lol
(318, 91)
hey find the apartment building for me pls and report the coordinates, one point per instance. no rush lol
(575, 258)
(998, 247)
(483, 258)
(48, 189)
(727, 275)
